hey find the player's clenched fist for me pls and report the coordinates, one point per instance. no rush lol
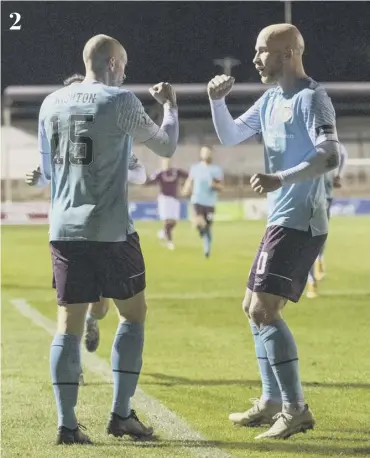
(164, 93)
(262, 183)
(32, 178)
(220, 86)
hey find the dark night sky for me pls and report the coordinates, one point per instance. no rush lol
(177, 41)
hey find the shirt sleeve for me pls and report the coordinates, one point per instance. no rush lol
(320, 118)
(230, 131)
(320, 123)
(133, 120)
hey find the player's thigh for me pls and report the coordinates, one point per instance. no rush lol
(121, 269)
(99, 309)
(74, 276)
(284, 261)
(203, 215)
(132, 309)
(71, 319)
(199, 215)
(172, 209)
(164, 207)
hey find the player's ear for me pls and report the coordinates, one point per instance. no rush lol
(112, 63)
(288, 53)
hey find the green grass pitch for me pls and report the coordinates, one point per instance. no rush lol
(199, 357)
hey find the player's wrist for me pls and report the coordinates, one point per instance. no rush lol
(170, 104)
(217, 101)
(281, 177)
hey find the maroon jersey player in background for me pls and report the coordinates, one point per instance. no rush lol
(168, 179)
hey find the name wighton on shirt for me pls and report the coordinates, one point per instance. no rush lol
(78, 97)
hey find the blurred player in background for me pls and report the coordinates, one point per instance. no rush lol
(168, 202)
(332, 180)
(86, 133)
(297, 121)
(97, 310)
(204, 184)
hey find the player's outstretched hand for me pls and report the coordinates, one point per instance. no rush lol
(262, 183)
(337, 182)
(220, 86)
(164, 93)
(33, 177)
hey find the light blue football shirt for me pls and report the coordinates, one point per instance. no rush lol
(85, 137)
(202, 175)
(292, 125)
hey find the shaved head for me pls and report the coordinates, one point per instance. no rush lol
(279, 50)
(105, 59)
(282, 36)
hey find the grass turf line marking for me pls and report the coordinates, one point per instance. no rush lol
(160, 417)
(233, 295)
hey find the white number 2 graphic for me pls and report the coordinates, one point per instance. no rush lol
(17, 17)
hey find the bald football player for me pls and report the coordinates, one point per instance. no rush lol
(297, 122)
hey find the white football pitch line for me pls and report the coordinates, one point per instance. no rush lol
(239, 295)
(171, 426)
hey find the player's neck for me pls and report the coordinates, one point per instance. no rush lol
(92, 76)
(288, 82)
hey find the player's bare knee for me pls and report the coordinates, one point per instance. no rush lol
(71, 319)
(99, 309)
(265, 308)
(133, 309)
(247, 302)
(199, 221)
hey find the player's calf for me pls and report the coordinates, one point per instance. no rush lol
(280, 346)
(126, 358)
(65, 368)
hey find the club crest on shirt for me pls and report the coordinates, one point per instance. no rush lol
(281, 114)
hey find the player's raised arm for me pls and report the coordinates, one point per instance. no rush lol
(321, 126)
(230, 131)
(133, 120)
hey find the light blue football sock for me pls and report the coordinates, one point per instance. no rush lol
(283, 357)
